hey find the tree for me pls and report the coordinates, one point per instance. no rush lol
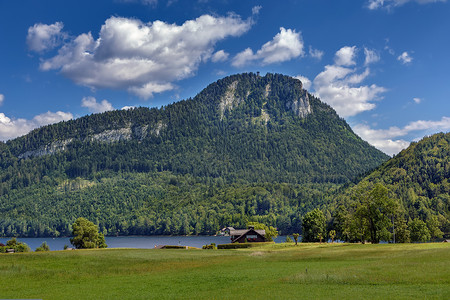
(332, 235)
(402, 234)
(86, 235)
(296, 235)
(271, 232)
(376, 208)
(419, 231)
(314, 225)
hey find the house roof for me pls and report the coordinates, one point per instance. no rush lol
(239, 232)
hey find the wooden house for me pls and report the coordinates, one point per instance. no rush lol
(250, 235)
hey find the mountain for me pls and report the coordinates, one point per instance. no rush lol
(247, 146)
(418, 178)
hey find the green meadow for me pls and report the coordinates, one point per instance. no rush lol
(311, 271)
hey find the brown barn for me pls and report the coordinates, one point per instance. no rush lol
(250, 235)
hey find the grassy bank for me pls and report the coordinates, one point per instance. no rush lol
(273, 271)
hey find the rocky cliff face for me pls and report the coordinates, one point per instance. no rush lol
(47, 149)
(301, 107)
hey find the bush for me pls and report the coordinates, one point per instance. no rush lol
(173, 247)
(288, 239)
(212, 246)
(43, 247)
(17, 246)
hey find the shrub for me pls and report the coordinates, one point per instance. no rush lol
(173, 247)
(17, 246)
(43, 247)
(212, 246)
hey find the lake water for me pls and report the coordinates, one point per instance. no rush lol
(142, 242)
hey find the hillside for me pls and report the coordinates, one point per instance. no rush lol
(247, 146)
(418, 178)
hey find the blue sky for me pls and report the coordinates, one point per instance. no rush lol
(382, 64)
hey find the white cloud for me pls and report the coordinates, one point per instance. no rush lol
(2, 98)
(284, 46)
(388, 4)
(371, 56)
(305, 81)
(96, 107)
(390, 140)
(340, 86)
(143, 58)
(405, 58)
(219, 56)
(417, 100)
(316, 53)
(345, 56)
(12, 128)
(256, 9)
(128, 107)
(43, 37)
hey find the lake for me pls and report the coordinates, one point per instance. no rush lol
(143, 242)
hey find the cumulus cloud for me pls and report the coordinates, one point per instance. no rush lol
(305, 81)
(371, 56)
(219, 56)
(405, 58)
(42, 37)
(345, 56)
(388, 4)
(316, 53)
(143, 58)
(12, 128)
(341, 86)
(96, 107)
(390, 140)
(284, 46)
(417, 100)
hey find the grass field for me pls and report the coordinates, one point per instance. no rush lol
(311, 271)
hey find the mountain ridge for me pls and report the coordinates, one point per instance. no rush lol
(243, 132)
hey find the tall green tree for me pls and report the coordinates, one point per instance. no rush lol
(377, 209)
(314, 226)
(86, 235)
(419, 231)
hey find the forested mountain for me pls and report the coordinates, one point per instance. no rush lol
(418, 181)
(246, 147)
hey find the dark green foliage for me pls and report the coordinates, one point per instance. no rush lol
(86, 235)
(419, 231)
(314, 226)
(276, 164)
(418, 178)
(174, 247)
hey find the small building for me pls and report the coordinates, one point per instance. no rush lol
(250, 235)
(225, 231)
